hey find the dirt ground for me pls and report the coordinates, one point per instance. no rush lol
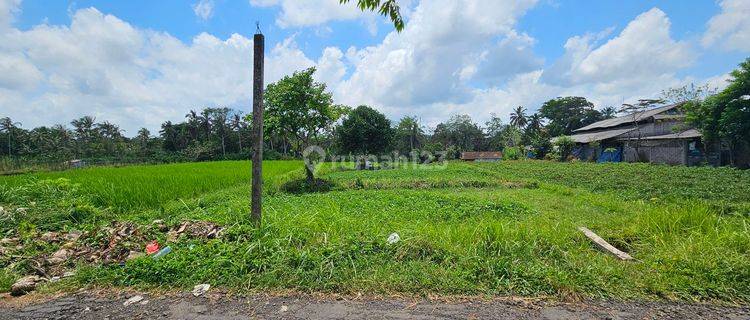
(213, 305)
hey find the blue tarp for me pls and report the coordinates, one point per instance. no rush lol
(610, 156)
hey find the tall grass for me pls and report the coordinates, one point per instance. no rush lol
(150, 186)
(468, 229)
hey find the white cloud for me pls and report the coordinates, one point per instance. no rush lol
(204, 9)
(624, 56)
(105, 67)
(8, 9)
(453, 57)
(429, 62)
(305, 13)
(730, 29)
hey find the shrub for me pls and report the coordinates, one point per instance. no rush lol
(564, 145)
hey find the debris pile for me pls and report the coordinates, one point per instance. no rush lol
(195, 229)
(115, 244)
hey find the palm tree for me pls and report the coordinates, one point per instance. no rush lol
(518, 117)
(192, 124)
(535, 122)
(237, 124)
(7, 125)
(609, 112)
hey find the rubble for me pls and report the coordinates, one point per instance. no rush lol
(160, 225)
(24, 285)
(200, 289)
(134, 255)
(116, 243)
(51, 237)
(195, 229)
(73, 235)
(132, 300)
(60, 256)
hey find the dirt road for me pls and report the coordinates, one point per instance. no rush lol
(98, 306)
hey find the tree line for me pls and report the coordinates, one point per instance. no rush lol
(300, 112)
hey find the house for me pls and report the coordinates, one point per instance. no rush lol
(658, 135)
(482, 156)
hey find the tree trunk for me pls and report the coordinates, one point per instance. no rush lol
(240, 139)
(309, 175)
(223, 147)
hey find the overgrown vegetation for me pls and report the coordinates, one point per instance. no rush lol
(466, 228)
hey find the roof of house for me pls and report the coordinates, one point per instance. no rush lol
(638, 116)
(687, 134)
(597, 136)
(481, 155)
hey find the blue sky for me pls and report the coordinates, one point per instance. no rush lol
(139, 63)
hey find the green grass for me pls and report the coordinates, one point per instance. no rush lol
(487, 229)
(149, 186)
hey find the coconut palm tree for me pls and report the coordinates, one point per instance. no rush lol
(7, 125)
(518, 117)
(535, 122)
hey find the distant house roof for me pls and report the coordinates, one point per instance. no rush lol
(485, 155)
(597, 136)
(687, 134)
(614, 122)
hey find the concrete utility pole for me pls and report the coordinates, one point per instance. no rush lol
(257, 189)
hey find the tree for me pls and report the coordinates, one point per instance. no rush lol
(364, 131)
(219, 118)
(564, 145)
(565, 114)
(518, 117)
(143, 138)
(168, 136)
(608, 113)
(387, 8)
(409, 135)
(689, 92)
(7, 125)
(726, 115)
(493, 130)
(84, 134)
(535, 123)
(634, 111)
(301, 108)
(238, 124)
(459, 132)
(110, 136)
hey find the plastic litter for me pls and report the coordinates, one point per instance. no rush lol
(162, 252)
(200, 289)
(133, 300)
(152, 247)
(393, 238)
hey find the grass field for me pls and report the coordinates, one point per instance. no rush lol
(482, 229)
(150, 186)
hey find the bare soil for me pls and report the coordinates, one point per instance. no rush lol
(217, 305)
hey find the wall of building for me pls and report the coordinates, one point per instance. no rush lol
(673, 152)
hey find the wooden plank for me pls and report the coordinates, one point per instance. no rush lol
(604, 245)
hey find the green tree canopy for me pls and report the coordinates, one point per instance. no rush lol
(300, 108)
(387, 8)
(726, 115)
(409, 135)
(566, 114)
(461, 132)
(364, 131)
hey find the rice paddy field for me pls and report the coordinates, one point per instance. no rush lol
(489, 229)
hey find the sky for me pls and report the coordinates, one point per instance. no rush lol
(139, 63)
